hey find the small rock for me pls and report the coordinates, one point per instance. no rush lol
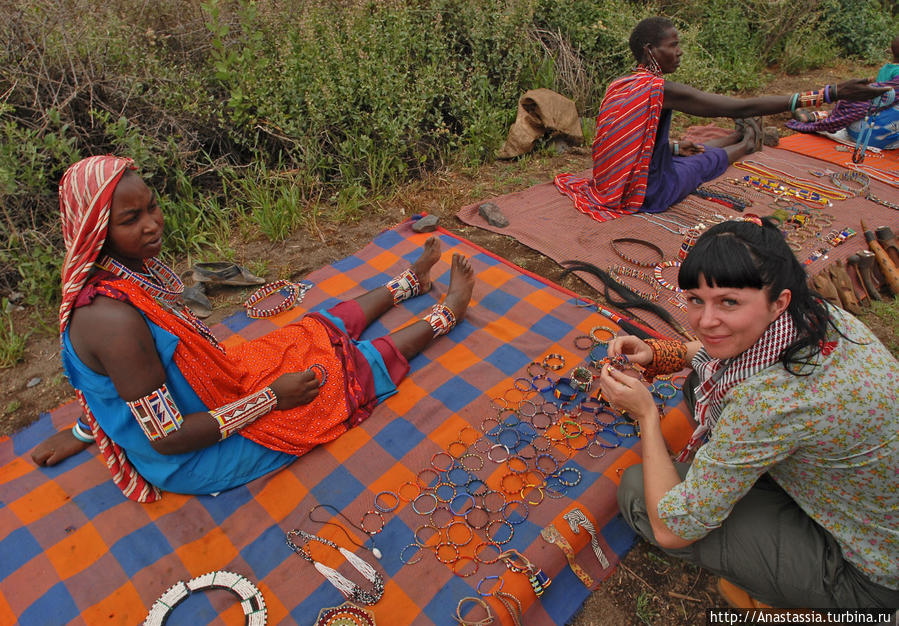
(770, 136)
(490, 212)
(33, 382)
(426, 224)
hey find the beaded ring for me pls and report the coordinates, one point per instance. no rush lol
(486, 544)
(415, 546)
(522, 518)
(602, 329)
(455, 568)
(471, 455)
(531, 412)
(553, 361)
(441, 546)
(423, 495)
(579, 342)
(596, 443)
(569, 483)
(372, 513)
(449, 492)
(292, 297)
(483, 524)
(387, 508)
(492, 537)
(650, 246)
(494, 447)
(462, 495)
(632, 425)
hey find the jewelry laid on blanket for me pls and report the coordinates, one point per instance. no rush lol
(251, 600)
(295, 292)
(348, 588)
(347, 614)
(532, 430)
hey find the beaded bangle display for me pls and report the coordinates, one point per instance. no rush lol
(581, 378)
(615, 245)
(294, 294)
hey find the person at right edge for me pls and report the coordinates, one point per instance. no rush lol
(788, 487)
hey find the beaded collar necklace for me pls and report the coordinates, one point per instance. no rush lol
(160, 282)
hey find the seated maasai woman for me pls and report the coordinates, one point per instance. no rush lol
(792, 490)
(635, 168)
(169, 407)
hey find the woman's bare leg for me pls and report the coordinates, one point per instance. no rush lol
(414, 338)
(379, 300)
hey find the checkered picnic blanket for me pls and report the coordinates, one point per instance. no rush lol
(74, 550)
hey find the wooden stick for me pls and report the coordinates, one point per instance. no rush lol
(681, 596)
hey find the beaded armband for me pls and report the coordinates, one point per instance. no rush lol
(404, 286)
(235, 415)
(441, 319)
(668, 356)
(157, 413)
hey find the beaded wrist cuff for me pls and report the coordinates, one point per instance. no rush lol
(235, 415)
(441, 319)
(668, 356)
(404, 286)
(157, 413)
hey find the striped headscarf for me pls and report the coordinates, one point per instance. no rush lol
(85, 194)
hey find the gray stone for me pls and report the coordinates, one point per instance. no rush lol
(33, 382)
(490, 212)
(426, 224)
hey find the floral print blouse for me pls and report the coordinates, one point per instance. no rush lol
(829, 439)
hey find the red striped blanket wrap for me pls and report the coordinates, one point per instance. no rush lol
(625, 137)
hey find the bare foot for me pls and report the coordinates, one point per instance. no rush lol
(57, 448)
(422, 266)
(461, 284)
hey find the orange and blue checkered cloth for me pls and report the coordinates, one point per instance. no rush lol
(73, 550)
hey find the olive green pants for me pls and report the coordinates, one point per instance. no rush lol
(770, 547)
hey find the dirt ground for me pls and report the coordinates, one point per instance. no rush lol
(648, 587)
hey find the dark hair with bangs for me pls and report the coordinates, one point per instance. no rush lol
(648, 31)
(738, 255)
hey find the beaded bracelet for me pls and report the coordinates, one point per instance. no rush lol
(455, 567)
(445, 547)
(419, 497)
(657, 275)
(651, 246)
(294, 294)
(444, 492)
(81, 435)
(369, 514)
(521, 518)
(489, 493)
(471, 455)
(602, 329)
(460, 524)
(475, 485)
(581, 378)
(600, 436)
(486, 560)
(553, 361)
(564, 389)
(579, 342)
(481, 525)
(415, 546)
(492, 535)
(387, 508)
(635, 432)
(435, 532)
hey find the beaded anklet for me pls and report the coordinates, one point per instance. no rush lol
(404, 286)
(441, 319)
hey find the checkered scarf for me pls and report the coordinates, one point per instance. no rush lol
(85, 195)
(719, 376)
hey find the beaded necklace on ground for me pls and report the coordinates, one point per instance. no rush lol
(885, 176)
(771, 179)
(651, 220)
(160, 282)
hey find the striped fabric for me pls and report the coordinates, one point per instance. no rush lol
(625, 138)
(842, 115)
(85, 195)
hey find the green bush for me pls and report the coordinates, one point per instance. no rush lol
(281, 113)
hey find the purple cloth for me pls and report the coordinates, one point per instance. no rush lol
(673, 178)
(843, 114)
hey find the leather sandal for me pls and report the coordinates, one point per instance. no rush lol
(224, 273)
(888, 242)
(195, 297)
